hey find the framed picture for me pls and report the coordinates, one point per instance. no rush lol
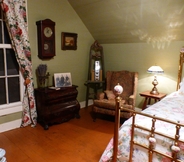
(68, 41)
(62, 79)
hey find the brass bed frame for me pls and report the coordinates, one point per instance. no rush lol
(180, 69)
(152, 132)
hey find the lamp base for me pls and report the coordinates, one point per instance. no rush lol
(154, 91)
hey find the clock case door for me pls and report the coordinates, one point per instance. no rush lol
(46, 45)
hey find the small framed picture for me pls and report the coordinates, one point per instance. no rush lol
(68, 41)
(62, 79)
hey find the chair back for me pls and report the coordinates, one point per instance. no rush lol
(125, 78)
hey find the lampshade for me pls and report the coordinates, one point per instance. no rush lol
(155, 70)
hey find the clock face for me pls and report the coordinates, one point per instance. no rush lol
(46, 46)
(48, 32)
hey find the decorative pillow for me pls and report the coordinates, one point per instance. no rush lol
(100, 96)
(110, 95)
(181, 90)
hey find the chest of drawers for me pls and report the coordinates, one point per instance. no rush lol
(56, 106)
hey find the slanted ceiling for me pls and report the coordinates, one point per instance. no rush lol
(132, 21)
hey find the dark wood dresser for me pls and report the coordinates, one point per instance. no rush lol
(56, 106)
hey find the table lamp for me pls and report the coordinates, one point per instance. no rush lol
(155, 70)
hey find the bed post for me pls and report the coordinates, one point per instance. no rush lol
(118, 90)
(180, 68)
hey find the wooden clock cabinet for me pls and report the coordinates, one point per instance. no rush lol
(56, 106)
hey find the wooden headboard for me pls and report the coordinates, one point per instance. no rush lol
(180, 69)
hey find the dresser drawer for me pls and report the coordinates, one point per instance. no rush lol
(58, 95)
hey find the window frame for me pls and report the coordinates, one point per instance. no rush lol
(14, 107)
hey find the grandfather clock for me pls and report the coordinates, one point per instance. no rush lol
(96, 72)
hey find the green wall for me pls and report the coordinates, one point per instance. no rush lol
(66, 19)
(139, 57)
(130, 56)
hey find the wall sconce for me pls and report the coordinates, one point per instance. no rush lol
(155, 70)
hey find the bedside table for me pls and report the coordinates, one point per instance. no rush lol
(149, 96)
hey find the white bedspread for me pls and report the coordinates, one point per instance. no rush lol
(172, 108)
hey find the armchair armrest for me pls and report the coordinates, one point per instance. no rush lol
(131, 100)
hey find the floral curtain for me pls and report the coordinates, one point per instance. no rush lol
(16, 21)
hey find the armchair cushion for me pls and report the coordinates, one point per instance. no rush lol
(107, 104)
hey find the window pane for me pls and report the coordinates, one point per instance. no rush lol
(12, 65)
(14, 89)
(1, 63)
(2, 91)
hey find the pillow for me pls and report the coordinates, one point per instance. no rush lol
(100, 96)
(110, 95)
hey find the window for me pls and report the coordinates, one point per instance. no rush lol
(10, 76)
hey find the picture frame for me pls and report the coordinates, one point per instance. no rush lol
(68, 41)
(62, 80)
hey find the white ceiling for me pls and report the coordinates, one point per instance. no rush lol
(131, 21)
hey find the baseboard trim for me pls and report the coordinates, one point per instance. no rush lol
(83, 103)
(138, 109)
(10, 125)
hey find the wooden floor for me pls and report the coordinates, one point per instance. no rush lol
(78, 140)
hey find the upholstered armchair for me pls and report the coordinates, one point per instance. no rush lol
(105, 102)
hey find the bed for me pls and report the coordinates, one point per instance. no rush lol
(153, 135)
